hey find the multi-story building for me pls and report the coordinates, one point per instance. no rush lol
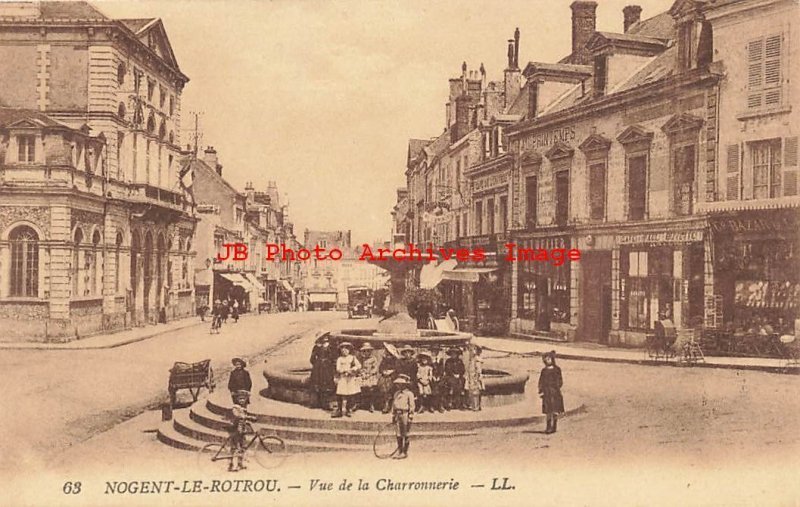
(101, 101)
(666, 154)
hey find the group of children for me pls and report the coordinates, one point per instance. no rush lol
(363, 382)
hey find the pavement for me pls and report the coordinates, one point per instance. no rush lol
(602, 353)
(117, 339)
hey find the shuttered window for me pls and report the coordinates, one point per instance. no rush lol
(732, 178)
(764, 72)
(766, 164)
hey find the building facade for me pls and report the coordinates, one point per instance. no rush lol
(102, 102)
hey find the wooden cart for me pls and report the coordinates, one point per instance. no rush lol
(191, 376)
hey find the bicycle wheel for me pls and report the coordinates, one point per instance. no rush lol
(385, 443)
(211, 453)
(267, 450)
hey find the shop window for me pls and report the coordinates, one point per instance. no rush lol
(637, 291)
(683, 171)
(121, 111)
(27, 149)
(764, 72)
(531, 198)
(765, 157)
(637, 187)
(597, 191)
(562, 197)
(24, 245)
(162, 97)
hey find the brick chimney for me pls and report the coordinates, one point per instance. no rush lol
(584, 22)
(461, 126)
(211, 160)
(631, 15)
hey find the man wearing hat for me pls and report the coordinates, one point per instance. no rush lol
(454, 380)
(347, 384)
(437, 382)
(403, 408)
(369, 377)
(239, 379)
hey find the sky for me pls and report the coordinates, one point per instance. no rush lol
(322, 96)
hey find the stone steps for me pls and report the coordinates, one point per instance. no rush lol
(216, 427)
(309, 430)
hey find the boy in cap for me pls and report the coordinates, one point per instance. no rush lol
(369, 377)
(403, 407)
(239, 427)
(239, 379)
(454, 380)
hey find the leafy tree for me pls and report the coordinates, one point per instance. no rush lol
(421, 303)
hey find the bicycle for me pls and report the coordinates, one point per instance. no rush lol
(269, 451)
(385, 444)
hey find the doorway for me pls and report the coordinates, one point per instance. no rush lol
(595, 320)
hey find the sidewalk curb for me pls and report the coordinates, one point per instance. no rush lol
(792, 370)
(112, 345)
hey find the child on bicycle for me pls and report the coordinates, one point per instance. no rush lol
(403, 406)
(239, 428)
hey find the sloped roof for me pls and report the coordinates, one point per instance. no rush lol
(661, 26)
(69, 10)
(198, 164)
(10, 116)
(415, 147)
(438, 145)
(660, 67)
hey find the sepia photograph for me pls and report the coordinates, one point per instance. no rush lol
(407, 253)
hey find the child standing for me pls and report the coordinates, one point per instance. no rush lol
(369, 377)
(239, 428)
(239, 379)
(347, 384)
(424, 381)
(403, 406)
(550, 383)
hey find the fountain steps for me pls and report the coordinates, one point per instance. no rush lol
(306, 430)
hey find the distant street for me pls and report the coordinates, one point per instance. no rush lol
(56, 399)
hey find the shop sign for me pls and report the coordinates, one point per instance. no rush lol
(772, 224)
(546, 139)
(661, 237)
(490, 181)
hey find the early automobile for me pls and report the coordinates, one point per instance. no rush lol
(359, 301)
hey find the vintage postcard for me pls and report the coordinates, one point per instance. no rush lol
(411, 253)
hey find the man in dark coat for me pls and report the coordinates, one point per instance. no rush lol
(550, 382)
(437, 386)
(239, 379)
(323, 369)
(454, 380)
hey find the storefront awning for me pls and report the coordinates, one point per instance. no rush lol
(467, 275)
(287, 286)
(258, 286)
(238, 280)
(431, 274)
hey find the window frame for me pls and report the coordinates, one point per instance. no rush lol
(24, 262)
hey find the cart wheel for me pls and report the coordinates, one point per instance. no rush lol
(211, 453)
(385, 443)
(268, 451)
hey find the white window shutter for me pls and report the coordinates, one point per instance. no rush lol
(755, 73)
(733, 185)
(790, 169)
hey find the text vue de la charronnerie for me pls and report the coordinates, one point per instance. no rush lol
(411, 252)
